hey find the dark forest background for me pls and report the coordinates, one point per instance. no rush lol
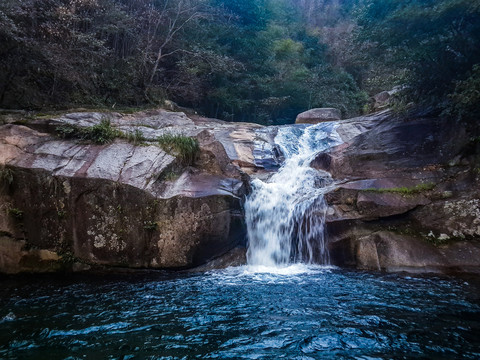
(241, 60)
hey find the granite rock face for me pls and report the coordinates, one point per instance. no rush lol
(69, 204)
(407, 197)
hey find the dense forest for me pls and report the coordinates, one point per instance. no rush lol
(241, 60)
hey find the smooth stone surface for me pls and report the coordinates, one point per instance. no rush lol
(314, 116)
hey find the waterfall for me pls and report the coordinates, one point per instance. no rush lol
(285, 214)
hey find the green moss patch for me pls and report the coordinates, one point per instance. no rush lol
(404, 190)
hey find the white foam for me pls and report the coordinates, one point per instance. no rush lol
(260, 272)
(285, 215)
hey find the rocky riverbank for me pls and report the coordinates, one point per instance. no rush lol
(407, 195)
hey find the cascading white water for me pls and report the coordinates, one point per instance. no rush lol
(285, 215)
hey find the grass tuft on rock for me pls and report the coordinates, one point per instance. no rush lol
(404, 190)
(183, 147)
(101, 133)
(135, 137)
(15, 213)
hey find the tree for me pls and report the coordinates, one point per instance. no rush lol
(163, 22)
(436, 43)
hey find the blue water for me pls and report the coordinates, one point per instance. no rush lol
(296, 312)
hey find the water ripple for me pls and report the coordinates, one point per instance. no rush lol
(295, 312)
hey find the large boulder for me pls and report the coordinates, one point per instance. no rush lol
(390, 251)
(408, 196)
(383, 99)
(73, 205)
(317, 115)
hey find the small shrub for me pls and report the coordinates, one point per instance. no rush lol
(475, 140)
(68, 258)
(15, 213)
(465, 100)
(183, 147)
(6, 176)
(68, 131)
(101, 133)
(150, 225)
(399, 106)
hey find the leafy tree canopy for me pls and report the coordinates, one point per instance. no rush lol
(239, 60)
(437, 43)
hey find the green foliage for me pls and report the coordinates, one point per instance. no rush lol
(6, 176)
(62, 214)
(68, 131)
(101, 133)
(465, 100)
(283, 68)
(15, 213)
(183, 147)
(150, 225)
(240, 60)
(169, 175)
(251, 14)
(68, 258)
(404, 190)
(399, 105)
(434, 43)
(440, 240)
